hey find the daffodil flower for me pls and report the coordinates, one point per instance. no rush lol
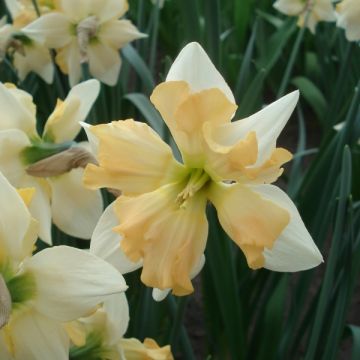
(86, 31)
(161, 211)
(28, 55)
(39, 293)
(319, 10)
(61, 198)
(348, 17)
(102, 334)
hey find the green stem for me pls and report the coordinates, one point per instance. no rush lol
(154, 38)
(177, 312)
(293, 56)
(36, 7)
(175, 330)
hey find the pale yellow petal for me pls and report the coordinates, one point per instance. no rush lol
(132, 158)
(228, 162)
(252, 221)
(185, 114)
(26, 194)
(149, 350)
(170, 238)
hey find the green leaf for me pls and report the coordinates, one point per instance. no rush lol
(355, 332)
(135, 60)
(312, 95)
(149, 112)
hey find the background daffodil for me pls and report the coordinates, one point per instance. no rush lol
(102, 334)
(348, 17)
(161, 211)
(86, 32)
(61, 198)
(28, 55)
(39, 293)
(319, 10)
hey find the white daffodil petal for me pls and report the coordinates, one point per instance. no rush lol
(194, 66)
(117, 33)
(4, 351)
(40, 206)
(75, 209)
(69, 60)
(294, 250)
(51, 30)
(267, 124)
(36, 58)
(117, 310)
(104, 63)
(159, 295)
(15, 221)
(105, 243)
(12, 142)
(348, 15)
(71, 282)
(36, 337)
(64, 123)
(17, 110)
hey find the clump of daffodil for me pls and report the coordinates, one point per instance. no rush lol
(313, 11)
(27, 55)
(100, 335)
(348, 17)
(86, 32)
(39, 293)
(28, 159)
(161, 212)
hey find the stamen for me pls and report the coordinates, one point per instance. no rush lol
(197, 180)
(86, 30)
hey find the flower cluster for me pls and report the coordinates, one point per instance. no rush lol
(65, 303)
(310, 12)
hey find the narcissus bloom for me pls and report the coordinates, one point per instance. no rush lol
(348, 17)
(38, 293)
(61, 198)
(28, 54)
(320, 10)
(161, 211)
(101, 334)
(86, 31)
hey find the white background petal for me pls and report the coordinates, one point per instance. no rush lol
(17, 110)
(117, 310)
(71, 282)
(37, 337)
(104, 63)
(105, 243)
(195, 67)
(69, 126)
(51, 30)
(295, 249)
(75, 209)
(40, 205)
(15, 220)
(12, 142)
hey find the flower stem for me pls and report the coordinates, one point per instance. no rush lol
(293, 56)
